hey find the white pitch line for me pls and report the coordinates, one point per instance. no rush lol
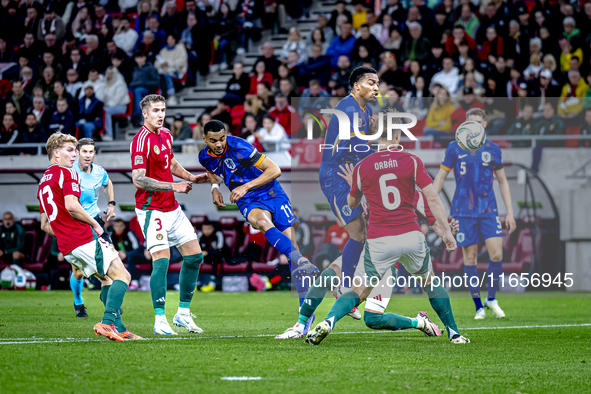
(21, 341)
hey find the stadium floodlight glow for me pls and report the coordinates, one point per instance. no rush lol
(345, 125)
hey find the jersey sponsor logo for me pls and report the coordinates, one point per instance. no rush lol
(159, 237)
(230, 164)
(156, 149)
(346, 210)
(138, 160)
(460, 237)
(486, 157)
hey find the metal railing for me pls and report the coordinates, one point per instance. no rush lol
(283, 146)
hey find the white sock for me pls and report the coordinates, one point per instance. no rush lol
(160, 318)
(420, 323)
(184, 311)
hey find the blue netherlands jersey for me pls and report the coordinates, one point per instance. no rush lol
(237, 166)
(474, 196)
(343, 151)
(91, 183)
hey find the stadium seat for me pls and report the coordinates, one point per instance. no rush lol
(198, 220)
(262, 268)
(228, 268)
(318, 226)
(127, 115)
(573, 130)
(229, 227)
(237, 114)
(32, 229)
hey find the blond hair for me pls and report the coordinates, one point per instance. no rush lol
(149, 99)
(57, 141)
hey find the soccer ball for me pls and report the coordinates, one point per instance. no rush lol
(470, 136)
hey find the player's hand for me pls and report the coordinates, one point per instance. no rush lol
(147, 254)
(182, 187)
(98, 229)
(450, 242)
(110, 212)
(373, 122)
(238, 193)
(218, 198)
(347, 173)
(454, 226)
(201, 178)
(510, 223)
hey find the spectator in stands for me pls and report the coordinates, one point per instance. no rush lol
(101, 18)
(82, 25)
(523, 126)
(453, 42)
(115, 98)
(532, 71)
(468, 20)
(313, 97)
(51, 24)
(368, 40)
(149, 46)
(159, 34)
(284, 114)
(493, 45)
(416, 101)
(341, 45)
(6, 52)
(171, 18)
(212, 244)
(317, 38)
(20, 99)
(220, 112)
(294, 43)
(42, 113)
(271, 131)
(48, 60)
(90, 116)
(260, 75)
(33, 132)
(270, 60)
(127, 245)
(238, 86)
(341, 9)
(567, 52)
(125, 37)
(548, 88)
(327, 31)
(94, 56)
(448, 77)
(303, 236)
(60, 92)
(292, 62)
(105, 35)
(77, 64)
(389, 71)
(418, 47)
(172, 64)
(551, 124)
(359, 16)
(438, 122)
(337, 235)
(187, 41)
(9, 108)
(393, 41)
(572, 96)
(62, 119)
(145, 80)
(9, 134)
(341, 73)
(12, 241)
(249, 127)
(362, 57)
(145, 10)
(265, 95)
(585, 128)
(286, 87)
(226, 35)
(180, 130)
(316, 67)
(198, 129)
(46, 82)
(74, 85)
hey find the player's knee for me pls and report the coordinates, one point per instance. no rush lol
(263, 224)
(372, 320)
(77, 274)
(496, 255)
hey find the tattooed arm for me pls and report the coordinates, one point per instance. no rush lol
(141, 181)
(177, 170)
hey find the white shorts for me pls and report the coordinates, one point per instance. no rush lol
(163, 230)
(93, 257)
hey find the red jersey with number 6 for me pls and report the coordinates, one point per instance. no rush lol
(57, 183)
(153, 152)
(388, 179)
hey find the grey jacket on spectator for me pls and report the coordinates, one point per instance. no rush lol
(144, 76)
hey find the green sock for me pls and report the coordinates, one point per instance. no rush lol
(342, 306)
(388, 321)
(158, 284)
(118, 322)
(439, 299)
(188, 278)
(316, 294)
(114, 301)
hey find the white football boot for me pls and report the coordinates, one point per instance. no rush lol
(429, 328)
(495, 308)
(186, 320)
(161, 327)
(480, 314)
(318, 333)
(294, 332)
(459, 339)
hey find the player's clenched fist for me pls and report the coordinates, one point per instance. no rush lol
(182, 187)
(218, 198)
(238, 193)
(450, 242)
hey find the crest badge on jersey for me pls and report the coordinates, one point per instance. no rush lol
(460, 237)
(347, 210)
(156, 149)
(230, 164)
(138, 160)
(245, 212)
(486, 157)
(159, 237)
(169, 145)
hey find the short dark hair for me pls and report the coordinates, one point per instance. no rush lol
(139, 53)
(359, 73)
(85, 141)
(214, 126)
(364, 25)
(476, 112)
(575, 58)
(314, 82)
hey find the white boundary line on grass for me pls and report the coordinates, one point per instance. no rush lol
(21, 341)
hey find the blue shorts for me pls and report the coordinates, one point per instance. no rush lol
(476, 230)
(337, 198)
(279, 207)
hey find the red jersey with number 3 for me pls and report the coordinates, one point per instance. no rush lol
(153, 152)
(57, 183)
(388, 179)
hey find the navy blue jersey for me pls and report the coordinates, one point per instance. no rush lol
(237, 166)
(474, 196)
(343, 151)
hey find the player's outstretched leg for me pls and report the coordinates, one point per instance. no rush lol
(342, 306)
(394, 322)
(188, 282)
(122, 331)
(114, 297)
(439, 299)
(77, 284)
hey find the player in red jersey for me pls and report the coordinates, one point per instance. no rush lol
(78, 234)
(388, 179)
(163, 222)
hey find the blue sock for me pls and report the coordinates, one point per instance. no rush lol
(76, 286)
(301, 288)
(495, 268)
(351, 254)
(473, 284)
(283, 244)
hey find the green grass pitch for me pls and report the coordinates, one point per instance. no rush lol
(523, 357)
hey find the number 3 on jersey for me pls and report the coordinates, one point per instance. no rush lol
(386, 191)
(53, 215)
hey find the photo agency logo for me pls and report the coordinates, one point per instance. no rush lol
(345, 127)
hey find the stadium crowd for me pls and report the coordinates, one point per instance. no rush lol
(74, 65)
